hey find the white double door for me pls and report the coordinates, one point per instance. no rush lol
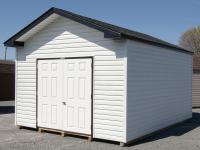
(64, 94)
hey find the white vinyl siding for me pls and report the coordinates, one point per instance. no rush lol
(25, 93)
(159, 88)
(67, 38)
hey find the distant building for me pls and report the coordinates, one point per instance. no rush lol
(196, 82)
(7, 80)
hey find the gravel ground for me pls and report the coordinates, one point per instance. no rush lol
(185, 136)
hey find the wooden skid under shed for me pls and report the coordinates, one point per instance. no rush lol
(64, 133)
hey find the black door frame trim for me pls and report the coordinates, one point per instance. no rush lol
(92, 86)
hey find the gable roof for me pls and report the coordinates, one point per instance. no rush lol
(110, 31)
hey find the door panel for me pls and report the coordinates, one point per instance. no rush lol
(64, 94)
(77, 95)
(49, 93)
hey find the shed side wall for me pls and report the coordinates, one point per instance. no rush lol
(67, 38)
(159, 88)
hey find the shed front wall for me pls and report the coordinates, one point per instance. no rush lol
(159, 88)
(196, 89)
(67, 38)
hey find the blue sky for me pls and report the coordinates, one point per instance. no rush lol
(164, 19)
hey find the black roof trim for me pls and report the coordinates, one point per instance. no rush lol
(10, 41)
(110, 31)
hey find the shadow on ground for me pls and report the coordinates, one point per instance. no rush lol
(177, 130)
(7, 109)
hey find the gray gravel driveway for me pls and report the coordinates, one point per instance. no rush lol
(185, 136)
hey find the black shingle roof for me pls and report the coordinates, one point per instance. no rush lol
(110, 31)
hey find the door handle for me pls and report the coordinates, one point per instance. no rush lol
(64, 103)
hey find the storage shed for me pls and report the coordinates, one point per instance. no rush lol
(196, 81)
(83, 76)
